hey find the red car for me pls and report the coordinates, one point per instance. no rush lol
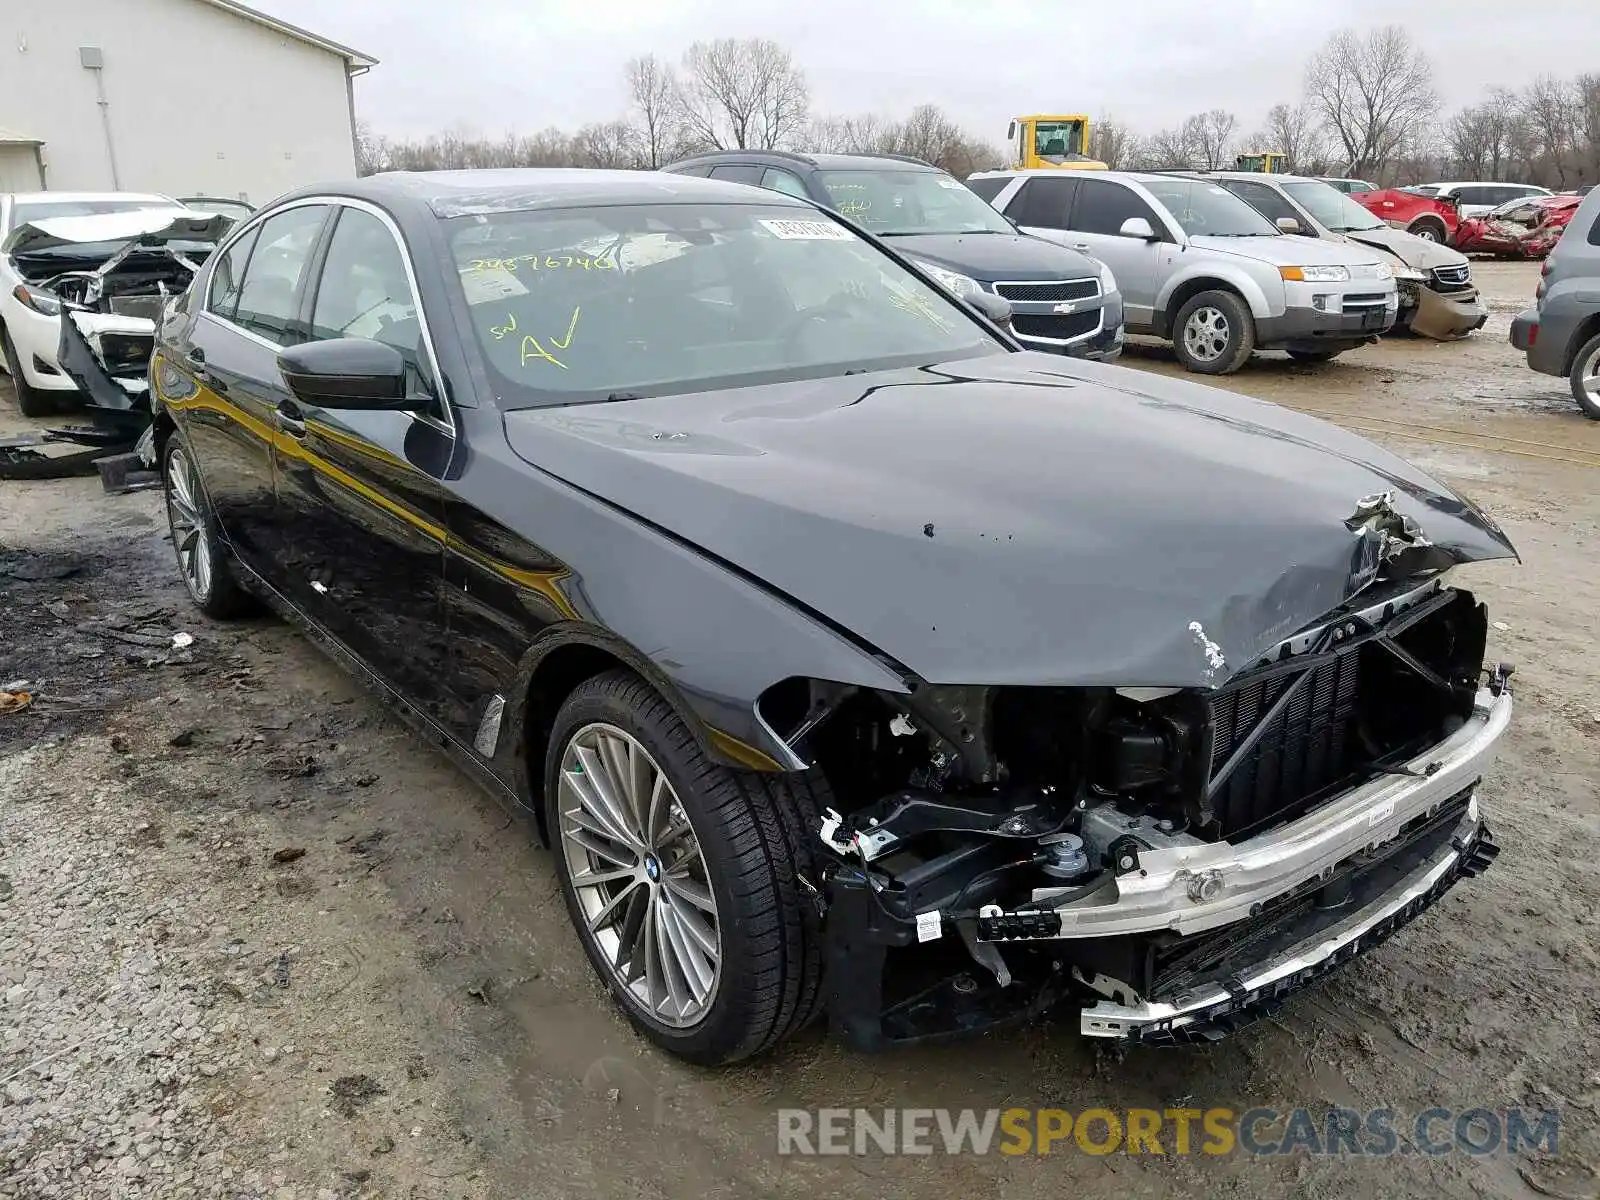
(1415, 211)
(1527, 228)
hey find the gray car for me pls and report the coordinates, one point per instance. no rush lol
(1560, 334)
(1437, 296)
(1197, 265)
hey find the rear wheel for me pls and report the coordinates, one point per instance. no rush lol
(1214, 333)
(31, 401)
(1429, 229)
(682, 876)
(1586, 378)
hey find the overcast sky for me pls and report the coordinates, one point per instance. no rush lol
(493, 65)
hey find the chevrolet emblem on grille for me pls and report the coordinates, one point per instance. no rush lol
(1066, 306)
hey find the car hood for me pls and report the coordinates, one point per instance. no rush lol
(991, 256)
(149, 226)
(1286, 250)
(1015, 519)
(1409, 248)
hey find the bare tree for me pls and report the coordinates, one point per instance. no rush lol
(1210, 136)
(1293, 129)
(654, 93)
(1480, 137)
(613, 145)
(1110, 142)
(372, 150)
(1372, 92)
(1171, 147)
(742, 93)
(1553, 112)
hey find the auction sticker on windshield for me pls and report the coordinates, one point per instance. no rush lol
(814, 231)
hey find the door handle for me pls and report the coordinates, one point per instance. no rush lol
(196, 359)
(289, 423)
(1084, 246)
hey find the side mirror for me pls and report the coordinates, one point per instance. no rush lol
(1138, 227)
(346, 373)
(996, 308)
(1288, 225)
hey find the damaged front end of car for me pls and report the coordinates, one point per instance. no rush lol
(1528, 228)
(1174, 861)
(110, 277)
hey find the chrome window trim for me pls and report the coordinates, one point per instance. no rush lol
(448, 424)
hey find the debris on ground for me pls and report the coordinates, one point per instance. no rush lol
(367, 843)
(351, 1093)
(11, 702)
(288, 854)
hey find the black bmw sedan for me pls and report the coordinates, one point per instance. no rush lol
(850, 658)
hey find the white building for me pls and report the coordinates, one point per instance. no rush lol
(185, 97)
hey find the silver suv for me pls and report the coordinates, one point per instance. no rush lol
(1560, 334)
(1200, 267)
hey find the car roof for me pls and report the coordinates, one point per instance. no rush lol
(515, 189)
(822, 162)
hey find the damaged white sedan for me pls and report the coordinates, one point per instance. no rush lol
(82, 284)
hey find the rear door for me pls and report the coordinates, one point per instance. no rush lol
(222, 382)
(361, 535)
(1099, 210)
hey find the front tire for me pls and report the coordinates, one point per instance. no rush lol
(682, 876)
(202, 559)
(1585, 378)
(31, 401)
(1214, 333)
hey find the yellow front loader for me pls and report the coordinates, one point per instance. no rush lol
(1051, 141)
(1268, 162)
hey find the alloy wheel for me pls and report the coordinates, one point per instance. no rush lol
(1589, 378)
(186, 517)
(639, 875)
(1206, 334)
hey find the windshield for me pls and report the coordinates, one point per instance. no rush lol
(893, 203)
(1331, 207)
(616, 302)
(1057, 139)
(1204, 208)
(42, 210)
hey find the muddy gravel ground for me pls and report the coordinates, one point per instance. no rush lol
(257, 940)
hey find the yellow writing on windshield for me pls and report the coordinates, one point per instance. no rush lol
(499, 331)
(532, 349)
(917, 305)
(548, 262)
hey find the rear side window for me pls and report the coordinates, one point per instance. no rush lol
(1102, 208)
(737, 174)
(1043, 202)
(1594, 230)
(270, 291)
(223, 296)
(1263, 199)
(787, 182)
(988, 188)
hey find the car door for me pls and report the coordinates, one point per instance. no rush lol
(360, 509)
(221, 378)
(1099, 209)
(1473, 201)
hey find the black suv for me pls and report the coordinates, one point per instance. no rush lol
(1061, 301)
